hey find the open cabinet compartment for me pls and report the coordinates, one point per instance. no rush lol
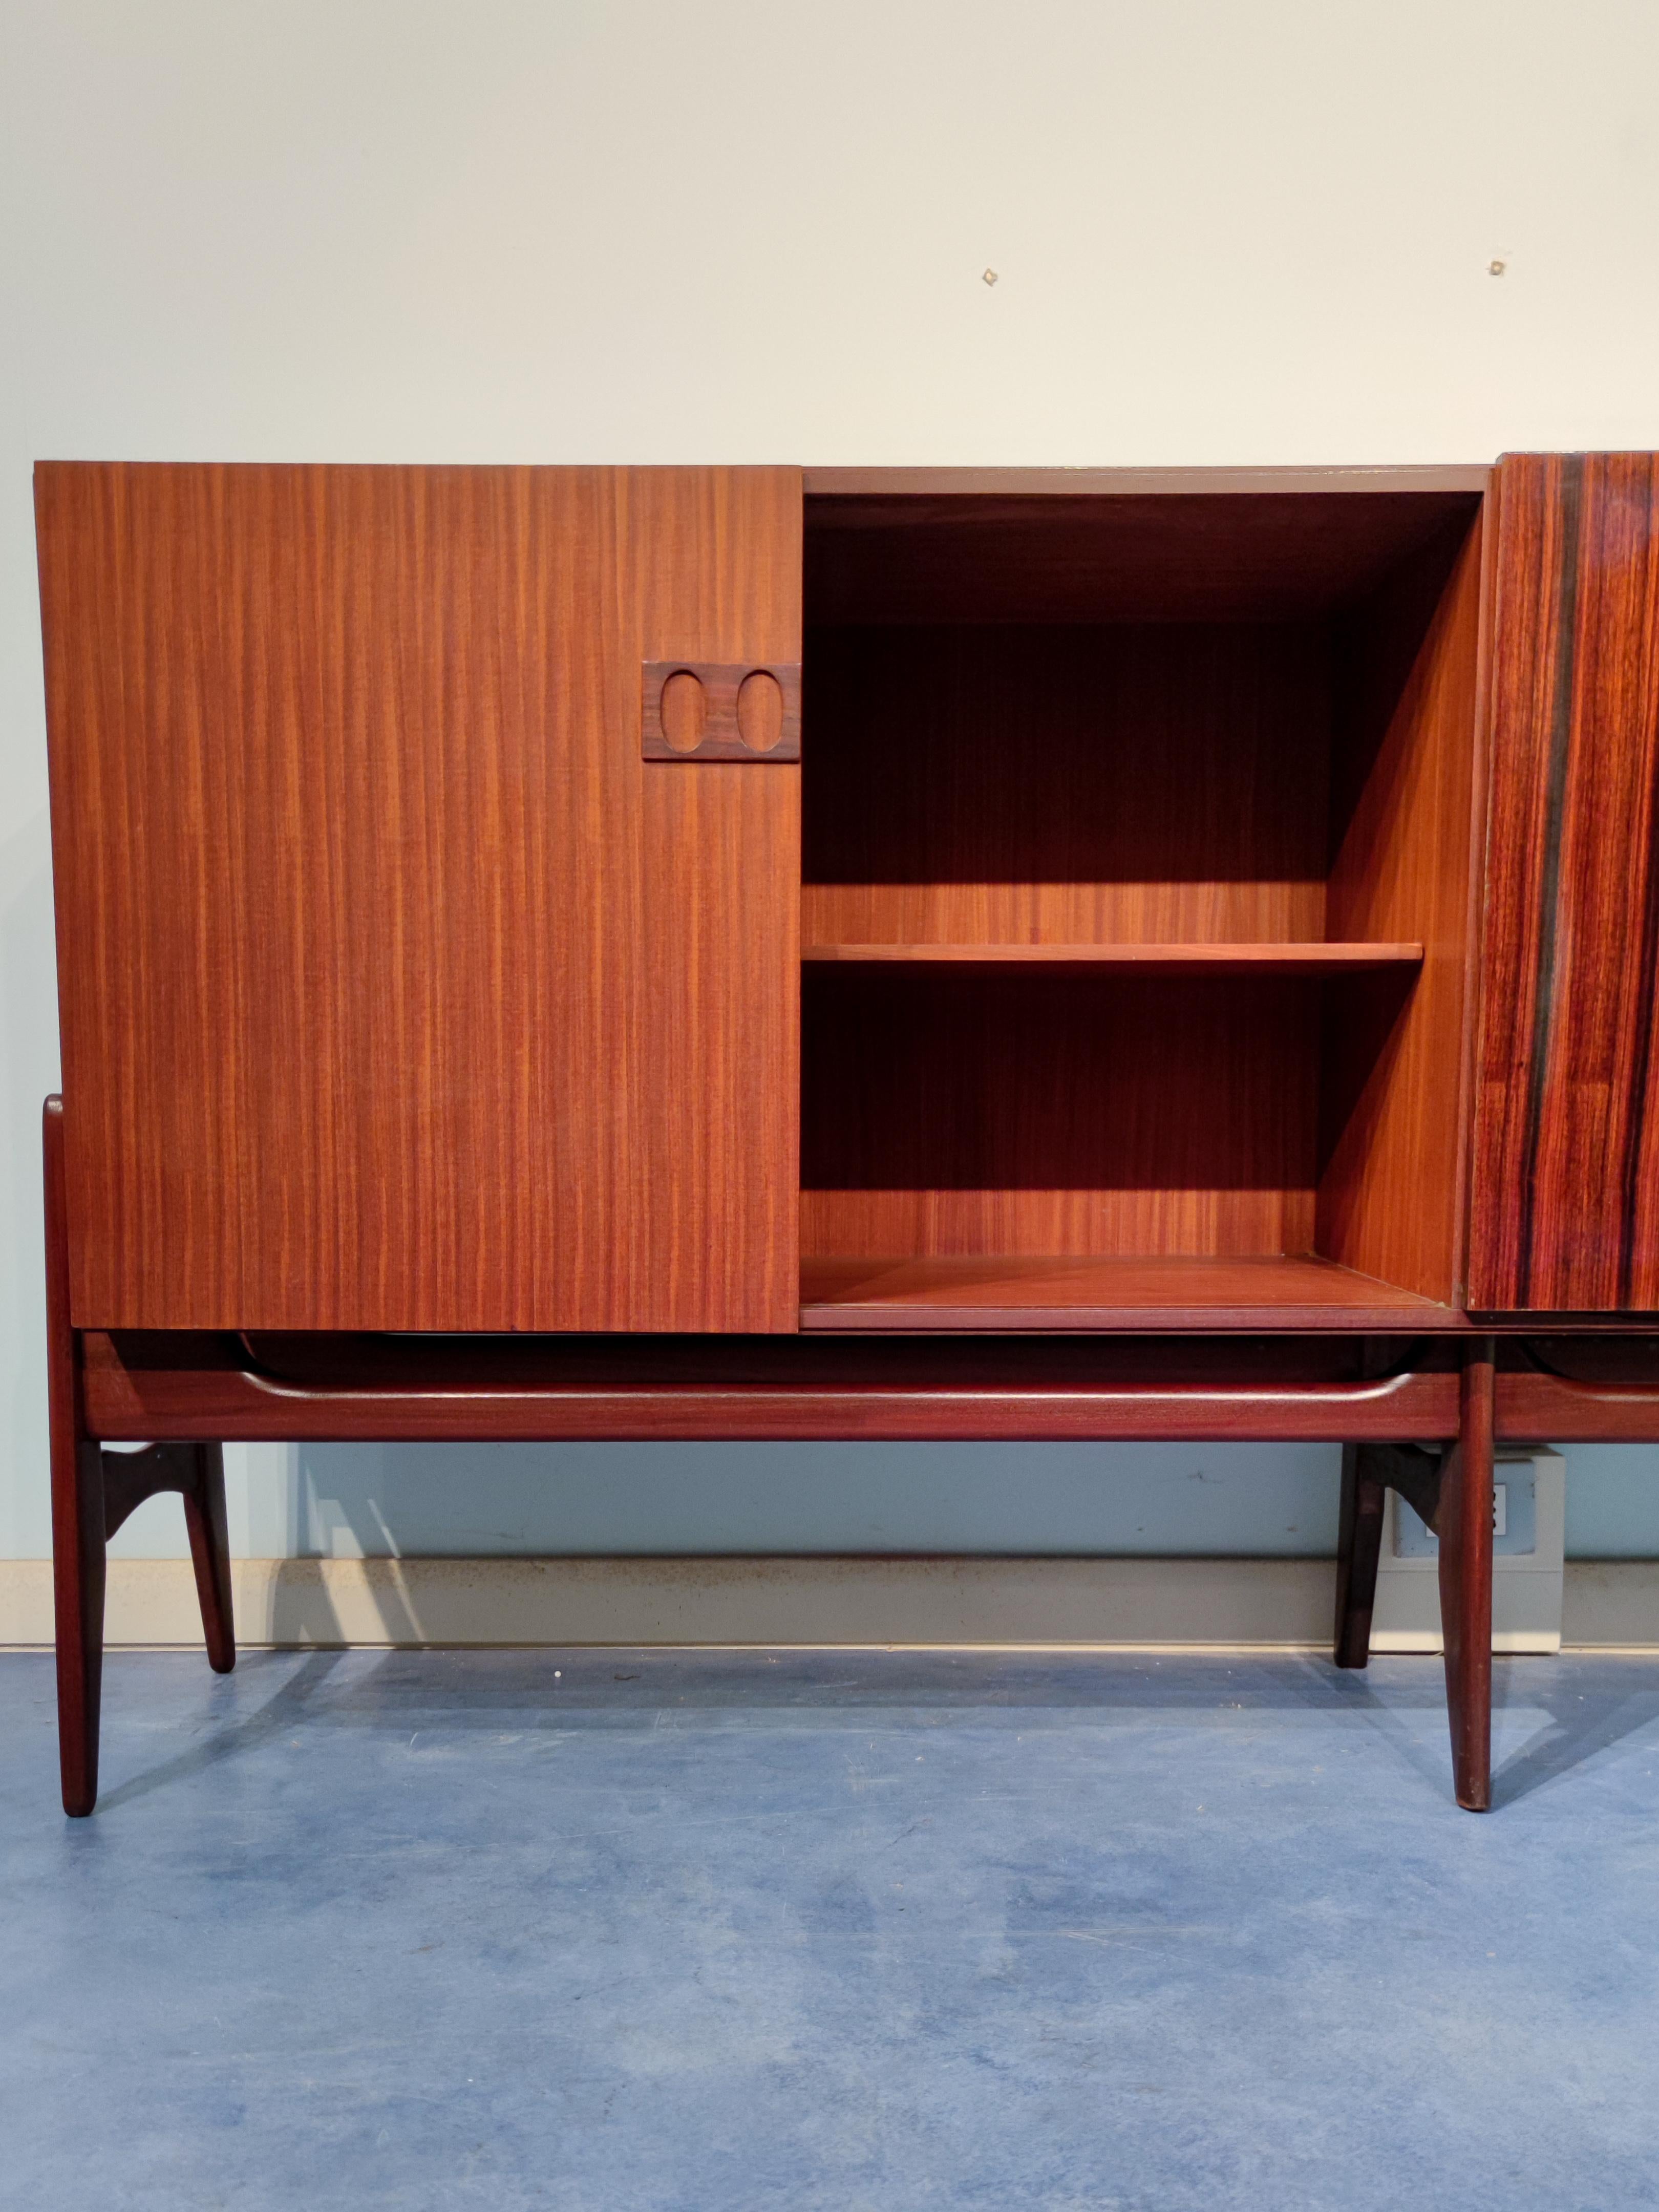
(1139, 845)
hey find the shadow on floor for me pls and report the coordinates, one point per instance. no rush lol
(1582, 1724)
(1589, 1705)
(292, 1703)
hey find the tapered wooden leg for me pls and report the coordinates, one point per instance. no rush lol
(1415, 1471)
(210, 1549)
(77, 1550)
(77, 1505)
(1358, 1547)
(1466, 1504)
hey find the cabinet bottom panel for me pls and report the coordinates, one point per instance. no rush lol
(1021, 1292)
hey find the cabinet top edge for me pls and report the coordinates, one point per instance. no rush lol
(199, 463)
(932, 484)
(839, 483)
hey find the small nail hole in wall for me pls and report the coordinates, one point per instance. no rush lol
(760, 710)
(683, 711)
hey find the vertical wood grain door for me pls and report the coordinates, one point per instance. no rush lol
(399, 989)
(1565, 1184)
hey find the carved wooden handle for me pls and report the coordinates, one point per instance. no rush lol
(705, 710)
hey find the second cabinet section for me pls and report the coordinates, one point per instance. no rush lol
(1139, 850)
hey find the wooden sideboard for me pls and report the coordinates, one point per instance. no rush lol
(590, 952)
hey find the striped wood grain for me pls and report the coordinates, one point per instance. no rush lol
(1566, 1199)
(397, 991)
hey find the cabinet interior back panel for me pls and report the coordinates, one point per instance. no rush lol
(397, 991)
(1066, 784)
(1017, 1114)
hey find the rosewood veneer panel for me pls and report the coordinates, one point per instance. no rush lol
(397, 991)
(1566, 1196)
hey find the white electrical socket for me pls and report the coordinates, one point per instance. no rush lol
(1529, 1527)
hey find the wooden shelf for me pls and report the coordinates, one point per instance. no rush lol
(1305, 959)
(1082, 1293)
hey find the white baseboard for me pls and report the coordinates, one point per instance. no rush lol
(1088, 1603)
(1506, 1642)
(1611, 1605)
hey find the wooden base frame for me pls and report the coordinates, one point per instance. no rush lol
(1417, 1414)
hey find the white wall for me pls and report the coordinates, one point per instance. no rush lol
(328, 229)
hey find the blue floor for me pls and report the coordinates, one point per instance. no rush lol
(865, 1932)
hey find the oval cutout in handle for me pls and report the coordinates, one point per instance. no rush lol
(684, 712)
(760, 710)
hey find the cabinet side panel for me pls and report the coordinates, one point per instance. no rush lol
(1391, 1191)
(395, 993)
(1565, 1211)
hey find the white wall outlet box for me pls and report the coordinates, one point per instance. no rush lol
(1529, 1527)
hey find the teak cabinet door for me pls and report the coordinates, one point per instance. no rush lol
(1565, 1184)
(399, 990)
